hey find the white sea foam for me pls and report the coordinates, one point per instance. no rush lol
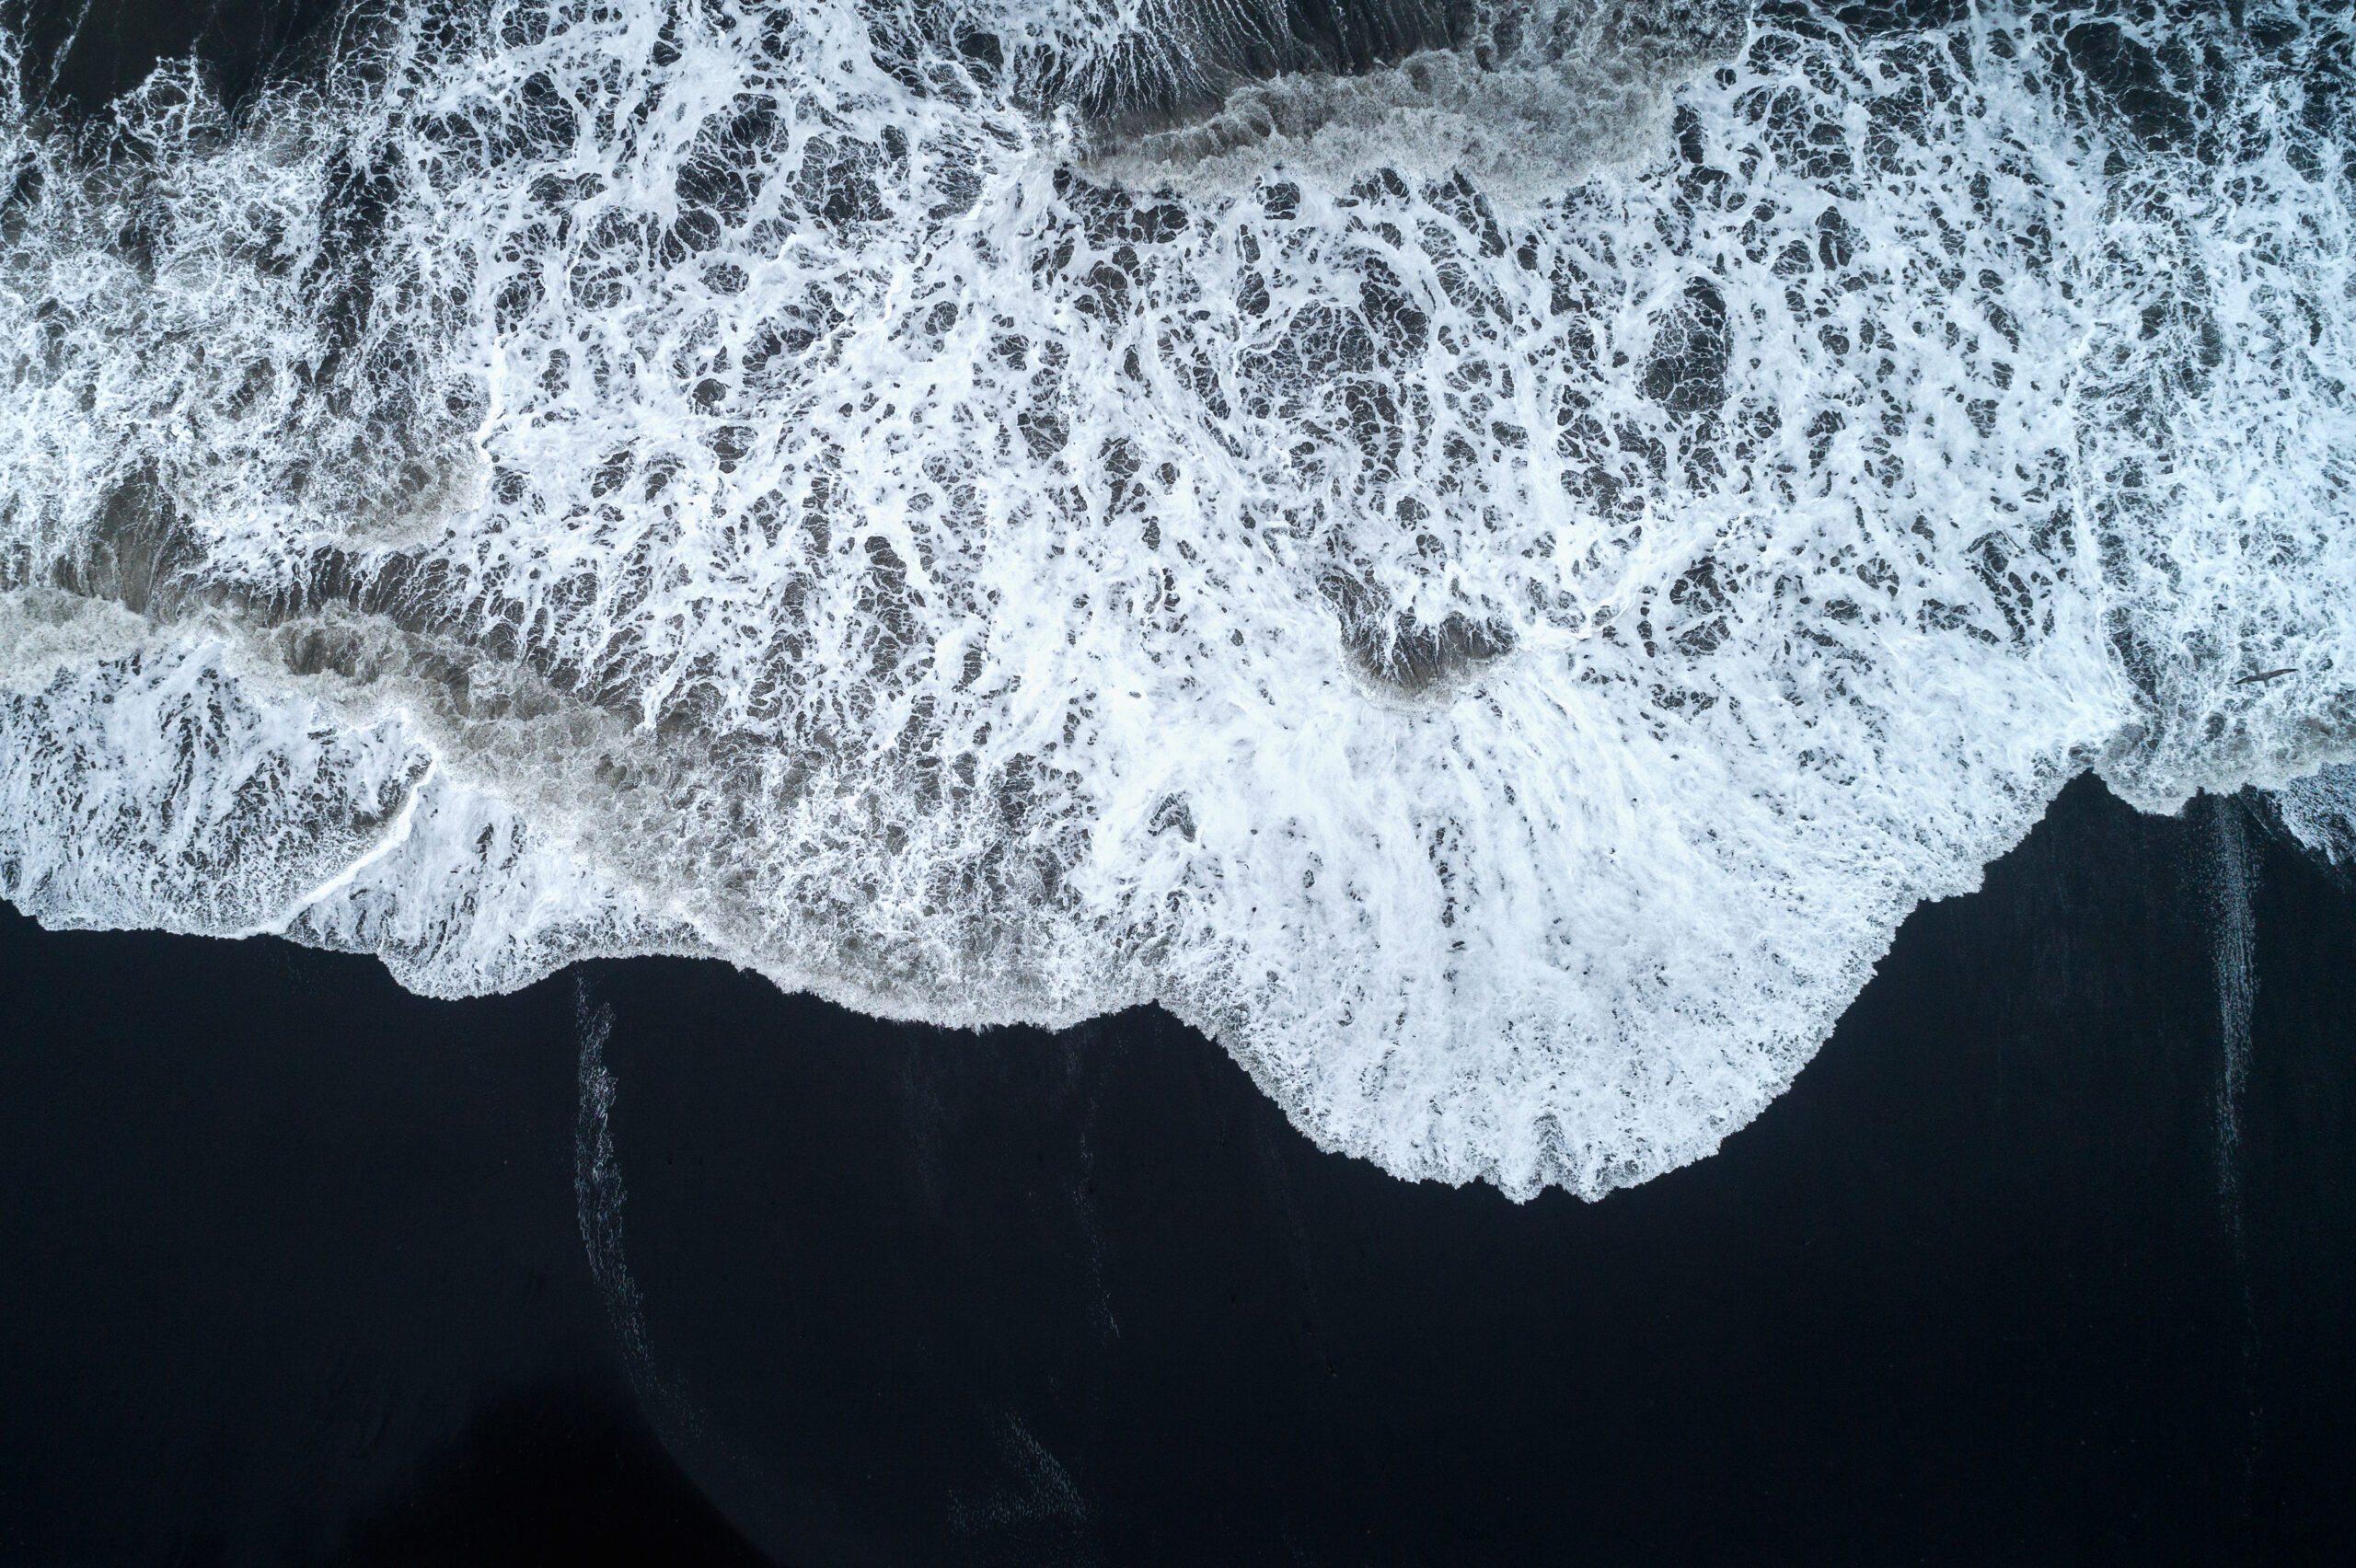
(1500, 639)
(2320, 810)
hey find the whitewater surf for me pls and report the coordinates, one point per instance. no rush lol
(1485, 555)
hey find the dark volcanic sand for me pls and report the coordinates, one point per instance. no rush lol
(294, 1271)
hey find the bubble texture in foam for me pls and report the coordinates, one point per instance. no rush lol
(1499, 638)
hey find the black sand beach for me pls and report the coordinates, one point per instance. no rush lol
(296, 1273)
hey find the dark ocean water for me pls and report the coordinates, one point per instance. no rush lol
(295, 1272)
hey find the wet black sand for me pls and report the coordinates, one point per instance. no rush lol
(293, 1265)
(292, 1270)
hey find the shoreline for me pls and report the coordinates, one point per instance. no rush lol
(917, 1295)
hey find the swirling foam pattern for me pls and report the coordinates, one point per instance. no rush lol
(1488, 569)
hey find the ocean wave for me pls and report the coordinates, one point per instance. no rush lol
(1487, 560)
